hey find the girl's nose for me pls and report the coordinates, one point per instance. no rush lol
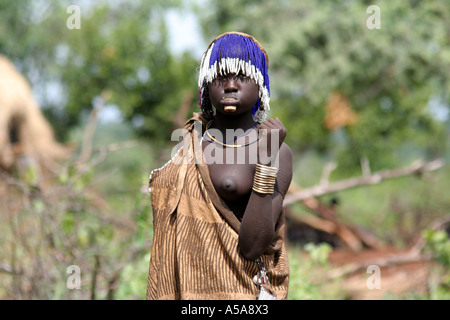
(230, 84)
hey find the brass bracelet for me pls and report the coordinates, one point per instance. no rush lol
(263, 191)
(263, 185)
(264, 179)
(266, 169)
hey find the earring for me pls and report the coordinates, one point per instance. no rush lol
(260, 115)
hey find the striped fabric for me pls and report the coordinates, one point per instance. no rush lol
(195, 252)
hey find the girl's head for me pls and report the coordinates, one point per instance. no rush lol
(236, 53)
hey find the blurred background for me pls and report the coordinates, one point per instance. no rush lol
(90, 94)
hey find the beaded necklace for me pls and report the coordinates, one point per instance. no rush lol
(230, 145)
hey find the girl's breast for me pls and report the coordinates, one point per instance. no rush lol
(232, 181)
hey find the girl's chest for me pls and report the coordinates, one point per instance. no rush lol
(231, 170)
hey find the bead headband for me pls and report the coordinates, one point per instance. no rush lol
(235, 52)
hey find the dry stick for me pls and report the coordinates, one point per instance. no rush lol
(324, 180)
(352, 237)
(113, 281)
(375, 178)
(86, 148)
(326, 221)
(105, 150)
(331, 227)
(94, 276)
(15, 267)
(366, 237)
(4, 268)
(11, 181)
(382, 262)
(112, 285)
(180, 117)
(413, 255)
(435, 225)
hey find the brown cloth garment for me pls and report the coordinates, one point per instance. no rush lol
(195, 252)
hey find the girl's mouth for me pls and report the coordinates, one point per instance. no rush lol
(230, 104)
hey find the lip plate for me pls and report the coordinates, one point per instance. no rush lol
(230, 109)
(230, 101)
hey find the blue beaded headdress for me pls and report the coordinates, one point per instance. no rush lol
(236, 52)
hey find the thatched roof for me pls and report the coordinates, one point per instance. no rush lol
(24, 131)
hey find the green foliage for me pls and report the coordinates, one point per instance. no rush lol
(389, 75)
(120, 53)
(29, 47)
(133, 281)
(319, 253)
(126, 60)
(102, 214)
(308, 267)
(438, 244)
(92, 215)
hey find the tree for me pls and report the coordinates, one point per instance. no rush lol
(120, 53)
(325, 62)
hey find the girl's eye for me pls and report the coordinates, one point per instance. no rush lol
(239, 77)
(243, 78)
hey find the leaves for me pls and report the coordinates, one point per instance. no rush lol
(121, 52)
(438, 243)
(389, 75)
(319, 253)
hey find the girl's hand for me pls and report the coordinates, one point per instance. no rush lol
(271, 136)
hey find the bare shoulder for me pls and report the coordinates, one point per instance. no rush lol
(285, 157)
(285, 171)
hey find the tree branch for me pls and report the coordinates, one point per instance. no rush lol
(180, 117)
(417, 167)
(414, 254)
(394, 259)
(86, 147)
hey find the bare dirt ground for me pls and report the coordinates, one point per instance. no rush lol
(396, 279)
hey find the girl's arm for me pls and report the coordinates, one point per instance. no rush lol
(263, 210)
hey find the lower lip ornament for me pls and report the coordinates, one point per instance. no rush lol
(229, 108)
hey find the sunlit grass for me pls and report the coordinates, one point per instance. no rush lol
(308, 274)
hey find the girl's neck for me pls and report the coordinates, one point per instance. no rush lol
(223, 122)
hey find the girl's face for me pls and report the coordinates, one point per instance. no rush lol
(233, 90)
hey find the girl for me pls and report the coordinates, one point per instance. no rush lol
(218, 204)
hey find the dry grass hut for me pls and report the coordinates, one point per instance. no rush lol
(26, 137)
